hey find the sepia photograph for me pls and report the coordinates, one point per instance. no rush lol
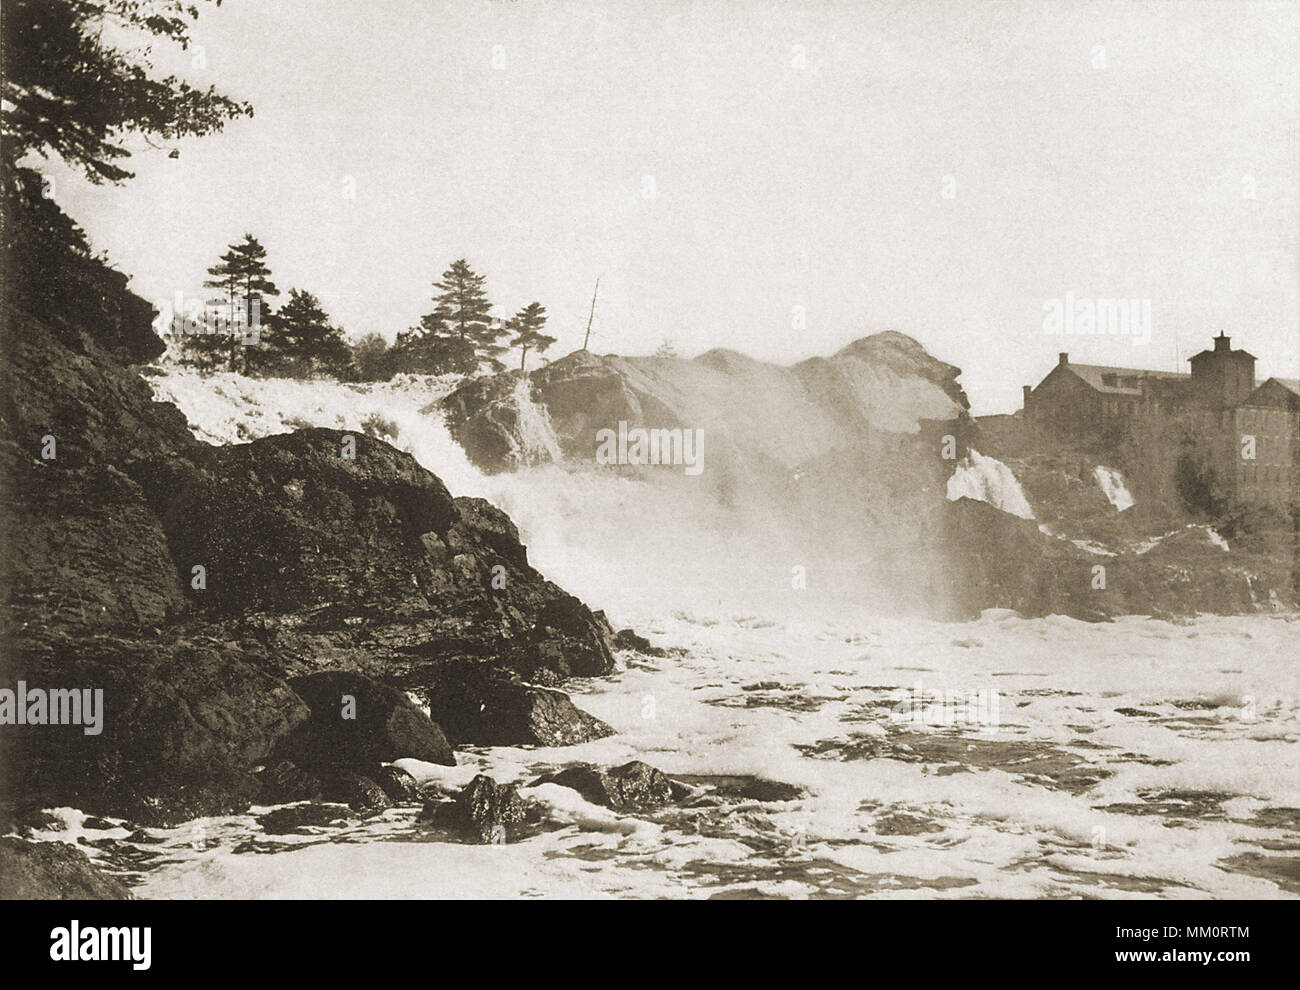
(585, 450)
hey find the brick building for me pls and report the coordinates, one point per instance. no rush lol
(1246, 437)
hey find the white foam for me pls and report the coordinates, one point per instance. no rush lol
(1112, 486)
(986, 479)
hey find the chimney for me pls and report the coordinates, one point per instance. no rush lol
(1062, 358)
(1222, 344)
(1024, 391)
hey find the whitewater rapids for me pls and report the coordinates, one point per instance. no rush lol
(1137, 758)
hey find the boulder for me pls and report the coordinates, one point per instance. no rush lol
(183, 721)
(480, 705)
(358, 723)
(290, 821)
(399, 785)
(53, 871)
(484, 809)
(358, 792)
(284, 783)
(630, 786)
(568, 639)
(628, 639)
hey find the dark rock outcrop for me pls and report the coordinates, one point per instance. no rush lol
(481, 705)
(311, 560)
(1001, 561)
(53, 871)
(357, 791)
(284, 782)
(358, 723)
(289, 821)
(399, 785)
(484, 809)
(629, 639)
(630, 786)
(182, 723)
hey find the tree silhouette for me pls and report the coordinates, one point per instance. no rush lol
(243, 274)
(527, 327)
(462, 309)
(71, 93)
(303, 339)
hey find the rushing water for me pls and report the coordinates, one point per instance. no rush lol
(986, 479)
(1003, 757)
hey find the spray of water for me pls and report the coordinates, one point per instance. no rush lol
(987, 479)
(1112, 486)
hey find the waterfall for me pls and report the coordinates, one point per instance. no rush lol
(986, 479)
(534, 440)
(1112, 486)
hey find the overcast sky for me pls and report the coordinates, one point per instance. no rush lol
(940, 168)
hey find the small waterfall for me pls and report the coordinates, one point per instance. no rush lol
(987, 479)
(1112, 486)
(534, 440)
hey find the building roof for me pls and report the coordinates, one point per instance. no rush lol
(1094, 374)
(1291, 385)
(1234, 353)
(1222, 346)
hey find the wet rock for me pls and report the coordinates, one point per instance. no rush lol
(632, 785)
(288, 821)
(183, 719)
(358, 792)
(484, 809)
(284, 783)
(627, 639)
(483, 706)
(399, 785)
(53, 871)
(166, 801)
(312, 559)
(267, 550)
(569, 640)
(97, 824)
(358, 723)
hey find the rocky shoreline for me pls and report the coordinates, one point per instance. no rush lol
(276, 623)
(260, 618)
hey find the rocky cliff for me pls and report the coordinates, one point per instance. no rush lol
(192, 583)
(851, 470)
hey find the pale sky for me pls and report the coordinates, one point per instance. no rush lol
(799, 155)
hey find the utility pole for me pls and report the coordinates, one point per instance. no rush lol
(592, 316)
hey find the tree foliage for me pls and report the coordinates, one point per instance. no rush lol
(461, 308)
(243, 275)
(303, 341)
(527, 326)
(67, 91)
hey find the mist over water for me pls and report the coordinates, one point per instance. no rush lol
(638, 546)
(1112, 730)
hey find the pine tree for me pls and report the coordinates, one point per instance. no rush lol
(462, 308)
(428, 350)
(304, 339)
(68, 91)
(242, 273)
(527, 327)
